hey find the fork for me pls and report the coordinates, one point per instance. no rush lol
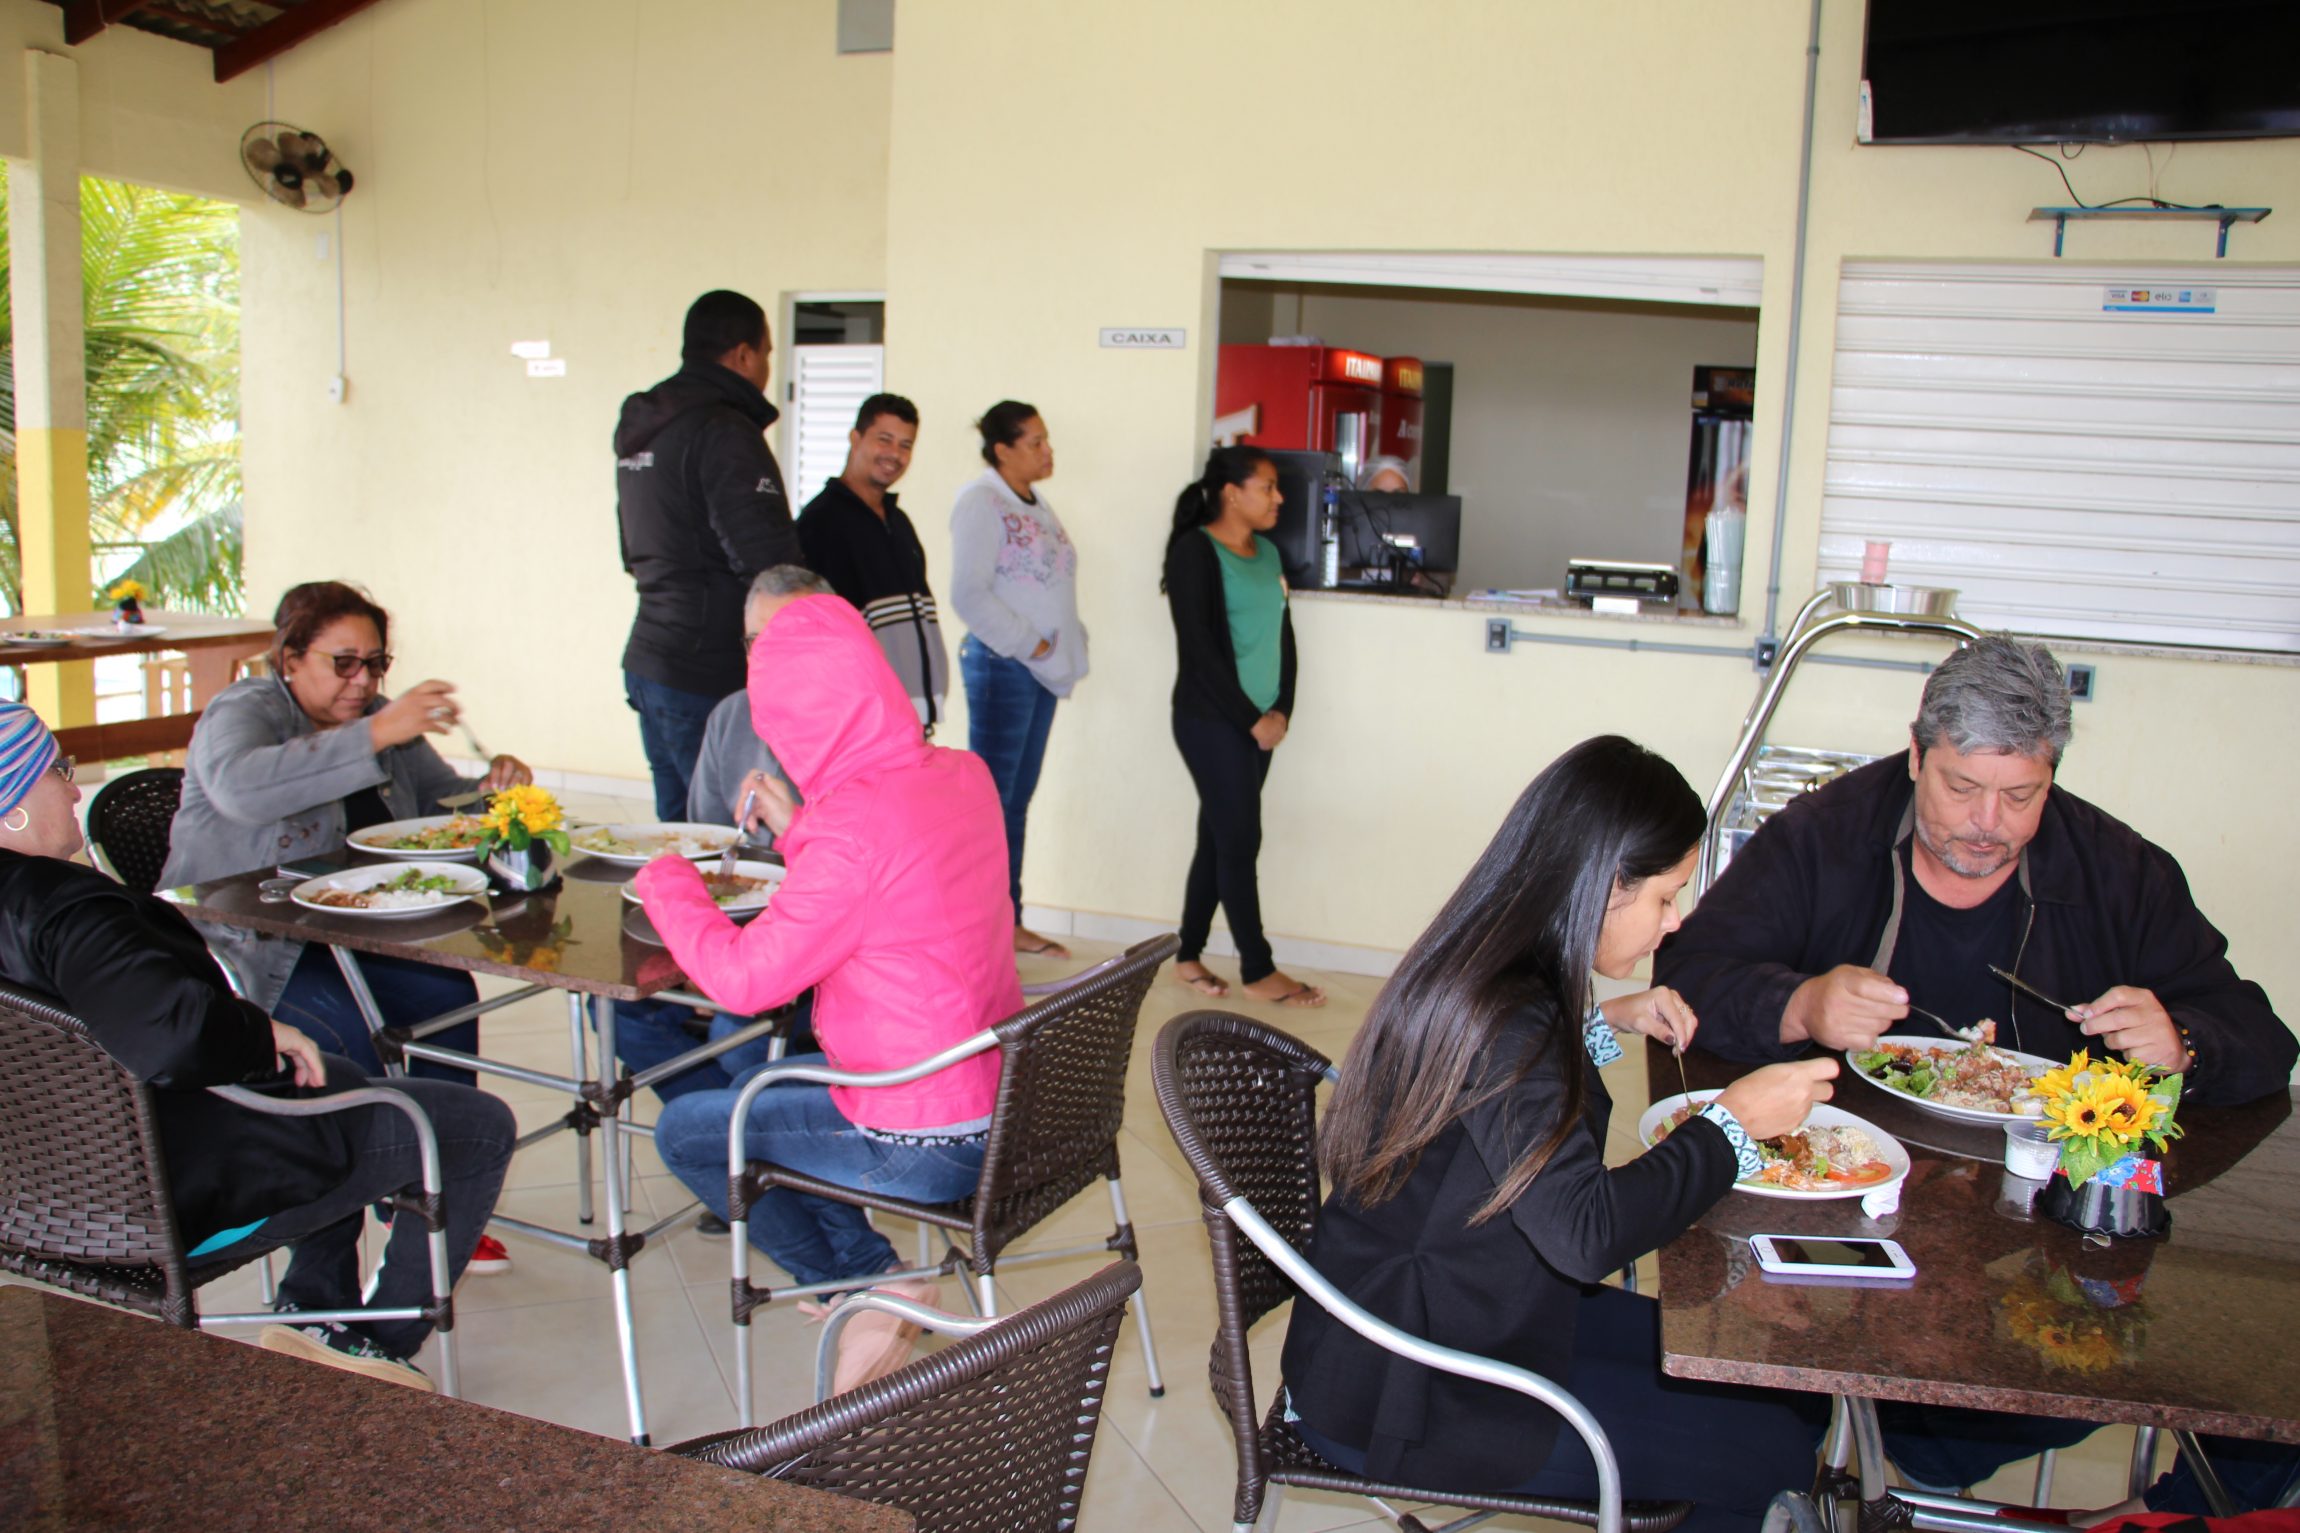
(1968, 1034)
(734, 849)
(457, 801)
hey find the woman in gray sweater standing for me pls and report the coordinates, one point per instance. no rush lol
(1014, 581)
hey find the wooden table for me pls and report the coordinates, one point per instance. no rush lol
(216, 648)
(2011, 1311)
(581, 939)
(115, 1421)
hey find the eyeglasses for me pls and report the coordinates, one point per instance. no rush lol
(347, 666)
(63, 766)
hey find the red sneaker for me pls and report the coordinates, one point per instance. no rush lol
(488, 1257)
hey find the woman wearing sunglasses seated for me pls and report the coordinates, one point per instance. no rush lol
(284, 767)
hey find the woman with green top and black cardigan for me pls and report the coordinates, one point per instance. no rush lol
(1233, 697)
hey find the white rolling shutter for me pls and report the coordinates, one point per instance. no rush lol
(2075, 470)
(828, 384)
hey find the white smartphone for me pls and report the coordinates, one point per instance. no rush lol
(1832, 1256)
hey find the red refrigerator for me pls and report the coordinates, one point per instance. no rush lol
(1398, 431)
(1306, 398)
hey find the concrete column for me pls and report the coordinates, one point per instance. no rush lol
(51, 374)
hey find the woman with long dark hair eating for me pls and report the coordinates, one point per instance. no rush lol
(1471, 1203)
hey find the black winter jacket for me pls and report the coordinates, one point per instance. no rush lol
(2101, 907)
(702, 509)
(132, 968)
(1206, 681)
(878, 565)
(1507, 1289)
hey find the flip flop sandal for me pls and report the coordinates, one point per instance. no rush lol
(1206, 984)
(1294, 999)
(1047, 948)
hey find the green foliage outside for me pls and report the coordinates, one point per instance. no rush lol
(161, 277)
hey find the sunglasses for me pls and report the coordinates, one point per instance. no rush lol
(63, 767)
(348, 666)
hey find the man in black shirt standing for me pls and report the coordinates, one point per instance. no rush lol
(701, 505)
(858, 539)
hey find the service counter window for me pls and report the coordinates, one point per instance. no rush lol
(1575, 408)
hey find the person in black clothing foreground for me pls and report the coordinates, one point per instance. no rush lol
(1471, 1204)
(1233, 703)
(1898, 886)
(857, 537)
(700, 503)
(133, 969)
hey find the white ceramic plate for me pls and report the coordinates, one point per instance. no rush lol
(376, 840)
(747, 904)
(467, 881)
(646, 842)
(1925, 1042)
(1889, 1149)
(38, 638)
(107, 631)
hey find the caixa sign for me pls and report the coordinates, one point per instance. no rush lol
(1142, 338)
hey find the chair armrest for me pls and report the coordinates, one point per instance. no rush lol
(925, 1317)
(1051, 986)
(830, 1075)
(1466, 1365)
(426, 1141)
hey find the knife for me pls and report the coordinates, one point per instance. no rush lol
(2029, 990)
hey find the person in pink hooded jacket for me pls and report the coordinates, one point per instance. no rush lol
(895, 908)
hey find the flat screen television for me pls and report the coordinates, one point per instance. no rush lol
(2061, 71)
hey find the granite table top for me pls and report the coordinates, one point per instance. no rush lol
(581, 935)
(2010, 1310)
(115, 1421)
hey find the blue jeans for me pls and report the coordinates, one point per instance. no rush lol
(795, 1124)
(671, 732)
(649, 1032)
(1008, 716)
(474, 1133)
(1724, 1448)
(318, 1003)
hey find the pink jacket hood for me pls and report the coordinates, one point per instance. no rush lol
(894, 906)
(825, 700)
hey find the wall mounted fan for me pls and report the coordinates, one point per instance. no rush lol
(295, 168)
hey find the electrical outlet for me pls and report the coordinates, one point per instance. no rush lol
(338, 387)
(2080, 683)
(1497, 635)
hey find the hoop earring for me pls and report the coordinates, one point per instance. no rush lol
(9, 824)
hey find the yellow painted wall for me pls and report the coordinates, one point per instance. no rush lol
(574, 171)
(1059, 168)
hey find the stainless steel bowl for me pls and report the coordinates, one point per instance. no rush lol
(1908, 601)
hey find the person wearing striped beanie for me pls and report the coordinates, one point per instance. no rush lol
(36, 792)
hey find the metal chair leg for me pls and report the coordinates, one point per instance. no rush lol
(1141, 1304)
(986, 1296)
(267, 1289)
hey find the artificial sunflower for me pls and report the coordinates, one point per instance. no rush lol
(2081, 1113)
(128, 590)
(2129, 1111)
(529, 806)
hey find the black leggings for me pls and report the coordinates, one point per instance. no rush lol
(1228, 768)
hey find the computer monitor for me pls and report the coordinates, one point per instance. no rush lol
(1377, 522)
(1301, 480)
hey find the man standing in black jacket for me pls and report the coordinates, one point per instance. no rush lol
(702, 509)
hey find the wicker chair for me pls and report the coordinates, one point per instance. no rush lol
(1053, 1133)
(83, 1185)
(989, 1435)
(1241, 1101)
(129, 821)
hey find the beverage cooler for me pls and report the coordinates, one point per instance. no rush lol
(1305, 398)
(1717, 470)
(1398, 428)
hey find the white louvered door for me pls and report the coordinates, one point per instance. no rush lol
(2075, 469)
(828, 384)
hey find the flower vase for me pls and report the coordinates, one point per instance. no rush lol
(129, 613)
(524, 871)
(2124, 1200)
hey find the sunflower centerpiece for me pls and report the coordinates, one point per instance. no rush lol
(127, 599)
(520, 837)
(2106, 1115)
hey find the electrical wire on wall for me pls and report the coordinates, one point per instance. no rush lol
(2149, 199)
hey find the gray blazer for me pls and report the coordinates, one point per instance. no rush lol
(732, 750)
(264, 785)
